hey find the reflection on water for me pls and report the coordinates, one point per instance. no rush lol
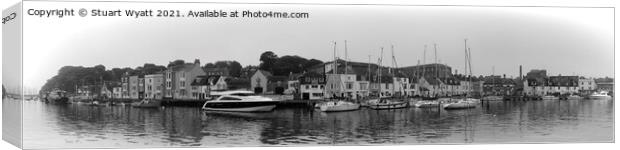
(83, 126)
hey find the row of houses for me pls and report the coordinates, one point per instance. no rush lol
(187, 81)
(357, 80)
(341, 79)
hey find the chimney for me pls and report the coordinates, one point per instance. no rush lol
(197, 62)
(520, 72)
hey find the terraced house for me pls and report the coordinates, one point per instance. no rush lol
(178, 79)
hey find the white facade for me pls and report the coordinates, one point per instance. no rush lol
(313, 91)
(154, 86)
(587, 84)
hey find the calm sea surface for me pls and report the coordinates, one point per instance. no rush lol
(83, 126)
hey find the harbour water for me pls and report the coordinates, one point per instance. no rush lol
(546, 121)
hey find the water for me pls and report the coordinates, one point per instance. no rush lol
(82, 126)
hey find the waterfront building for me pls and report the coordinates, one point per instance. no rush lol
(105, 91)
(125, 90)
(553, 85)
(117, 92)
(154, 86)
(605, 84)
(141, 87)
(498, 85)
(312, 86)
(217, 82)
(178, 78)
(264, 82)
(133, 87)
(201, 88)
(586, 85)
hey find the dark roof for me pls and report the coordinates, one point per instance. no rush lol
(200, 80)
(184, 67)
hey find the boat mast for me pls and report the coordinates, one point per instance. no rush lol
(346, 57)
(379, 72)
(465, 73)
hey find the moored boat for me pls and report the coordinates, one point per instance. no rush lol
(386, 104)
(240, 101)
(550, 97)
(426, 104)
(461, 104)
(599, 96)
(574, 97)
(339, 106)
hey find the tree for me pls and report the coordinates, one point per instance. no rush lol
(268, 60)
(289, 64)
(176, 63)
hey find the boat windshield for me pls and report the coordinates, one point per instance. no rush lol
(243, 94)
(226, 98)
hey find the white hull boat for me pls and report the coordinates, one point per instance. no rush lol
(426, 104)
(240, 101)
(338, 106)
(574, 97)
(459, 105)
(387, 104)
(600, 96)
(244, 109)
(549, 97)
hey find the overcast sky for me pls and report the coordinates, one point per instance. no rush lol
(567, 41)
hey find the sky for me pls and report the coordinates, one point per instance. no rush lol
(563, 40)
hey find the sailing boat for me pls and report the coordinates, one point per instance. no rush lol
(384, 101)
(339, 105)
(465, 102)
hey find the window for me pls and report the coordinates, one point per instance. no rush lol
(315, 86)
(349, 86)
(182, 83)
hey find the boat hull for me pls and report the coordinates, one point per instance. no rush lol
(243, 109)
(259, 106)
(337, 108)
(426, 105)
(379, 106)
(600, 97)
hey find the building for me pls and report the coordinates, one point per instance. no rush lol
(217, 82)
(605, 84)
(133, 87)
(312, 86)
(498, 85)
(125, 89)
(117, 92)
(178, 79)
(154, 86)
(200, 88)
(587, 85)
(553, 85)
(264, 82)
